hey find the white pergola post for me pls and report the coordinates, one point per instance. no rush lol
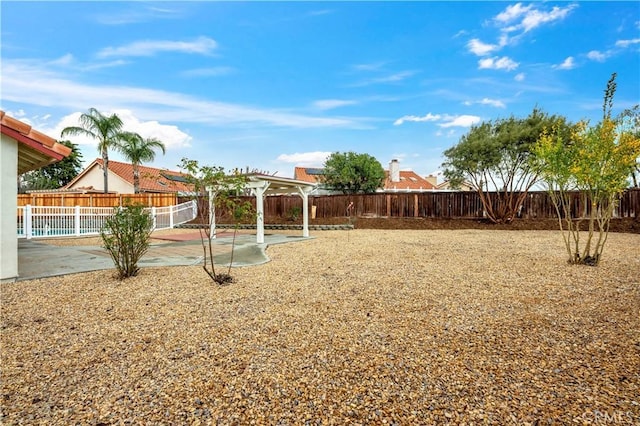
(259, 189)
(212, 213)
(305, 210)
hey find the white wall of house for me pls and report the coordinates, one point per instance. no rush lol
(95, 178)
(8, 208)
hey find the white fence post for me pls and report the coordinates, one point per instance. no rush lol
(153, 215)
(85, 220)
(27, 221)
(76, 221)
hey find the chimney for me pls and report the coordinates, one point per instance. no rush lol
(394, 171)
(432, 179)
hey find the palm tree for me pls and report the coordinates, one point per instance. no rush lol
(107, 130)
(137, 149)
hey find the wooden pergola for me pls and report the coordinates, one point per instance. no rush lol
(261, 186)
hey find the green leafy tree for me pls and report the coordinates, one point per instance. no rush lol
(212, 181)
(352, 173)
(495, 157)
(630, 122)
(596, 162)
(126, 236)
(137, 150)
(55, 175)
(107, 130)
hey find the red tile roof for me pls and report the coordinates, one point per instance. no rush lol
(409, 181)
(151, 178)
(35, 149)
(308, 174)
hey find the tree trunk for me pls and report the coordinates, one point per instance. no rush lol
(136, 179)
(105, 163)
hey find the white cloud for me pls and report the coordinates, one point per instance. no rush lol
(479, 48)
(535, 18)
(567, 64)
(369, 67)
(33, 83)
(520, 76)
(320, 12)
(392, 78)
(170, 135)
(399, 76)
(598, 56)
(325, 104)
(527, 18)
(515, 18)
(69, 62)
(460, 33)
(208, 72)
(447, 120)
(18, 114)
(493, 102)
(136, 14)
(201, 45)
(496, 63)
(415, 118)
(305, 159)
(63, 60)
(512, 12)
(627, 43)
(460, 121)
(486, 101)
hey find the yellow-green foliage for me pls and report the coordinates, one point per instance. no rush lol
(596, 161)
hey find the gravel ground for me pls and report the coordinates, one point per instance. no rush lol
(352, 327)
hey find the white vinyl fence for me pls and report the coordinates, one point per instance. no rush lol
(45, 221)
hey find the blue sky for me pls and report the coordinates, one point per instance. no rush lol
(274, 85)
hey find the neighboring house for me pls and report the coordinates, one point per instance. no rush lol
(445, 185)
(121, 179)
(464, 186)
(21, 149)
(313, 175)
(404, 180)
(396, 180)
(308, 174)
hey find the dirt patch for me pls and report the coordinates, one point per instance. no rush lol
(627, 225)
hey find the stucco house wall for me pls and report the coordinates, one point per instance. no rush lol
(94, 177)
(8, 206)
(22, 149)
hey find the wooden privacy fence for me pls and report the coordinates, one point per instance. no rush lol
(436, 205)
(97, 200)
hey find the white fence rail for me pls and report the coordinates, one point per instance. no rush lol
(45, 221)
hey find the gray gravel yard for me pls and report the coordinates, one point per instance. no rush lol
(352, 327)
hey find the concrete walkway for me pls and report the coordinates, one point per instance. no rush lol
(38, 259)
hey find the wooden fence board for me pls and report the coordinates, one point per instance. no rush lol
(435, 205)
(97, 200)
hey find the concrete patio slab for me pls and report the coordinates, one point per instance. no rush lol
(37, 259)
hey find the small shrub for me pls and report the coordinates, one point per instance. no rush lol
(294, 213)
(125, 236)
